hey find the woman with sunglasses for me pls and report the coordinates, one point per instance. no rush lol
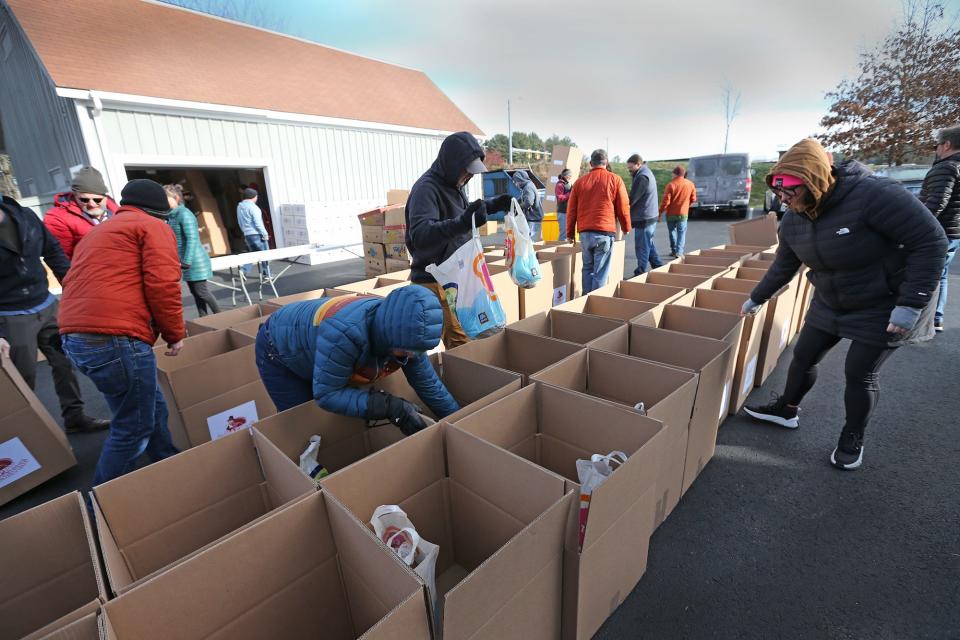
(78, 211)
(875, 254)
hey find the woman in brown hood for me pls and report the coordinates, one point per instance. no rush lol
(875, 254)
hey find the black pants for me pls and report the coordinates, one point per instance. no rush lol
(26, 334)
(862, 371)
(203, 298)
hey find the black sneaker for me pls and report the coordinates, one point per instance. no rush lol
(776, 412)
(938, 325)
(849, 452)
(85, 424)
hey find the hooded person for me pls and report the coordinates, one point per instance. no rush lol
(529, 202)
(79, 210)
(440, 218)
(322, 349)
(874, 254)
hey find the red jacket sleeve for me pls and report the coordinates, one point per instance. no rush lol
(59, 229)
(667, 197)
(161, 281)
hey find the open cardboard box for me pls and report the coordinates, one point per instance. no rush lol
(569, 269)
(84, 628)
(679, 280)
(693, 259)
(507, 291)
(748, 353)
(276, 303)
(51, 569)
(666, 393)
(758, 231)
(499, 522)
(572, 327)
(32, 446)
(553, 288)
(516, 351)
(718, 325)
(642, 291)
(553, 428)
(155, 517)
(371, 284)
(250, 328)
(738, 256)
(621, 309)
(214, 378)
(753, 249)
(713, 360)
(307, 570)
(696, 269)
(618, 258)
(227, 319)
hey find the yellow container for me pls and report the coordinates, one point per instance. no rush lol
(551, 227)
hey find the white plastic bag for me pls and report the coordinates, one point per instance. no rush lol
(309, 462)
(469, 291)
(592, 473)
(518, 248)
(392, 525)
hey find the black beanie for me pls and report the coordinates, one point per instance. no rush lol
(249, 193)
(147, 195)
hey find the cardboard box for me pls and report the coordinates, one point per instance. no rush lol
(718, 325)
(85, 628)
(250, 327)
(572, 327)
(309, 569)
(696, 269)
(545, 425)
(276, 303)
(227, 319)
(510, 350)
(607, 307)
(673, 279)
(213, 234)
(508, 293)
(713, 360)
(390, 216)
(666, 394)
(648, 292)
(397, 196)
(758, 231)
(395, 266)
(155, 517)
(214, 377)
(719, 253)
(397, 252)
(366, 286)
(571, 269)
(33, 448)
(753, 249)
(51, 569)
(489, 228)
(499, 522)
(617, 261)
(375, 261)
(748, 353)
(553, 288)
(729, 261)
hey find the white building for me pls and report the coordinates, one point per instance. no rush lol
(142, 89)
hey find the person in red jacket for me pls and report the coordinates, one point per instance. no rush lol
(78, 211)
(121, 293)
(562, 192)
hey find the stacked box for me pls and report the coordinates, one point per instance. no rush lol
(383, 231)
(563, 157)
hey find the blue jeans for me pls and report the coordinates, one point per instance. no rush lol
(256, 243)
(597, 249)
(562, 220)
(286, 388)
(952, 247)
(534, 230)
(678, 235)
(643, 244)
(125, 371)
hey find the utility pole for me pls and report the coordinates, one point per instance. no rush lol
(509, 136)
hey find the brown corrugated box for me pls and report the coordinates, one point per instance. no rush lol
(545, 425)
(33, 448)
(85, 628)
(51, 569)
(510, 350)
(570, 270)
(695, 269)
(674, 279)
(397, 252)
(759, 231)
(213, 234)
(719, 253)
(508, 293)
(729, 261)
(499, 522)
(647, 292)
(397, 196)
(227, 319)
(276, 303)
(622, 309)
(250, 328)
(307, 570)
(368, 285)
(572, 327)
(155, 517)
(396, 266)
(383, 225)
(553, 288)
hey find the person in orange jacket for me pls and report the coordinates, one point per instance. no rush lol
(678, 195)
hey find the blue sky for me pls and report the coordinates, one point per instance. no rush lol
(647, 77)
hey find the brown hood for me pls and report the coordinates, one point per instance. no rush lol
(809, 161)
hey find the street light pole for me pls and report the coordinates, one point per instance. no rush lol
(509, 135)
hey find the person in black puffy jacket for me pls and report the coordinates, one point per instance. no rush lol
(875, 255)
(941, 194)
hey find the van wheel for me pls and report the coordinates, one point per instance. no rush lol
(743, 212)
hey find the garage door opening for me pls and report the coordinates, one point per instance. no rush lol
(213, 195)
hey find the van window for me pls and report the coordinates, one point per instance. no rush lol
(704, 168)
(733, 166)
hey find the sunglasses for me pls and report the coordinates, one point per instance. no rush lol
(786, 191)
(93, 200)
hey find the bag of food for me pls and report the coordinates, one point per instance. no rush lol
(309, 462)
(394, 528)
(518, 248)
(592, 473)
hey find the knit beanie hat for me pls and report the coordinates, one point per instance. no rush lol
(808, 161)
(88, 180)
(147, 195)
(249, 193)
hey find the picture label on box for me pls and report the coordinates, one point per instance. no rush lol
(16, 461)
(226, 422)
(559, 295)
(725, 400)
(749, 374)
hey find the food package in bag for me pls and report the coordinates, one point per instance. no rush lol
(394, 528)
(518, 247)
(469, 291)
(309, 462)
(592, 473)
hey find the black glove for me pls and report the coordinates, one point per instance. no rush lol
(404, 414)
(500, 203)
(475, 215)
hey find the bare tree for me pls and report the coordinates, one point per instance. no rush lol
(907, 87)
(246, 11)
(731, 109)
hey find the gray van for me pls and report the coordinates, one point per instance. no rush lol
(723, 182)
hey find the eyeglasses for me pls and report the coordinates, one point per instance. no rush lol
(93, 200)
(786, 191)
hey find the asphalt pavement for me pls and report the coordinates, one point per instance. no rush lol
(771, 541)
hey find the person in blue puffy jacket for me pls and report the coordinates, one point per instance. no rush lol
(323, 349)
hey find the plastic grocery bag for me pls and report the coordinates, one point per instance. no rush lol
(592, 473)
(392, 525)
(521, 256)
(309, 462)
(469, 291)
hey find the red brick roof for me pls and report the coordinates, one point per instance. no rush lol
(153, 50)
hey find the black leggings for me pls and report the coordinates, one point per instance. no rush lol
(203, 297)
(862, 370)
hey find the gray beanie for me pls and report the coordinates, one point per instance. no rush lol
(249, 193)
(89, 180)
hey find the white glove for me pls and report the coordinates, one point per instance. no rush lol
(749, 307)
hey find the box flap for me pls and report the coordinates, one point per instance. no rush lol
(703, 322)
(215, 375)
(226, 319)
(672, 347)
(285, 481)
(696, 269)
(195, 417)
(751, 274)
(469, 382)
(36, 448)
(711, 261)
(581, 329)
(675, 279)
(342, 439)
(648, 291)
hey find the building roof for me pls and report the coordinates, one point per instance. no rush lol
(149, 49)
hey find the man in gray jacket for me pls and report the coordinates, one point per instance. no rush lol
(643, 213)
(530, 202)
(250, 220)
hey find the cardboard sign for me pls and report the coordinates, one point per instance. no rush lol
(226, 422)
(16, 461)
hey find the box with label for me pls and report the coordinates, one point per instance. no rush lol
(227, 319)
(157, 516)
(606, 307)
(510, 350)
(51, 569)
(310, 568)
(572, 270)
(572, 327)
(276, 303)
(545, 425)
(499, 522)
(384, 225)
(552, 289)
(33, 448)
(713, 360)
(396, 252)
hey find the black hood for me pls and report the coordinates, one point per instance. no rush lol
(457, 151)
